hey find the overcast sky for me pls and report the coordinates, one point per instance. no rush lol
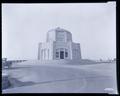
(93, 25)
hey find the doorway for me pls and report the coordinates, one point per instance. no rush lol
(61, 54)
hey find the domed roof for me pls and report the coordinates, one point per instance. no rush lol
(58, 29)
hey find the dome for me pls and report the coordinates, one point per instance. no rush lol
(58, 29)
(59, 34)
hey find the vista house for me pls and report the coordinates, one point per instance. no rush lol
(59, 45)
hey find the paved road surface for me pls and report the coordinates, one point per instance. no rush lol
(64, 79)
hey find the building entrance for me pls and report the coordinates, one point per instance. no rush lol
(61, 54)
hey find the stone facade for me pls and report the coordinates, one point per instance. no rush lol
(59, 45)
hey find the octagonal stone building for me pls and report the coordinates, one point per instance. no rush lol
(59, 45)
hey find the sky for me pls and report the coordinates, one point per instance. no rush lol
(93, 25)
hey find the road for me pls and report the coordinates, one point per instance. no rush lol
(64, 79)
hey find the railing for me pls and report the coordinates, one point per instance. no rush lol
(8, 64)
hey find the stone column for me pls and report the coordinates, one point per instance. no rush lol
(59, 53)
(64, 53)
(38, 52)
(42, 54)
(70, 50)
(48, 53)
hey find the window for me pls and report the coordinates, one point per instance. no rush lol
(66, 54)
(57, 54)
(61, 53)
(60, 36)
